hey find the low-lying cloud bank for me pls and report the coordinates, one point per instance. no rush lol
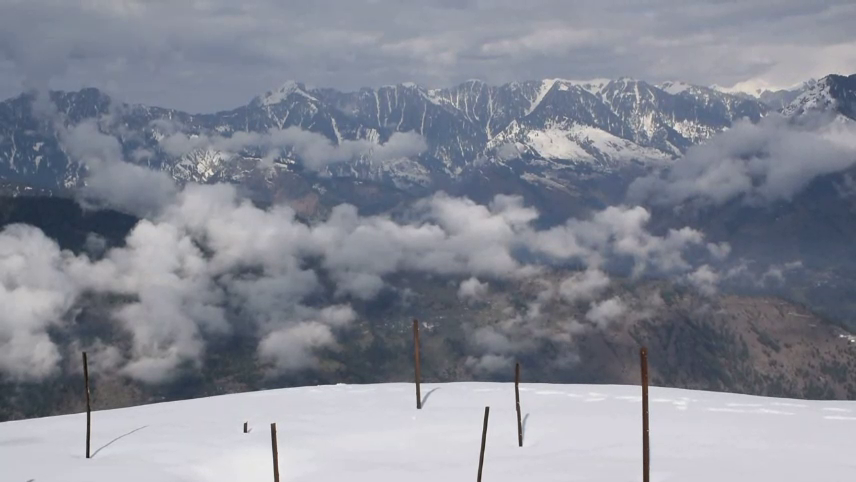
(760, 163)
(210, 254)
(315, 151)
(203, 261)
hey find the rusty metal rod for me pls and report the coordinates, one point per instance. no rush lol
(517, 403)
(646, 454)
(88, 404)
(483, 443)
(416, 364)
(275, 452)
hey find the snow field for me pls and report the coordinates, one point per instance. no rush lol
(373, 433)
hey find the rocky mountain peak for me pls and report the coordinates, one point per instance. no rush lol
(831, 93)
(282, 92)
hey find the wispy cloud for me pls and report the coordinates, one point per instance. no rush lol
(314, 150)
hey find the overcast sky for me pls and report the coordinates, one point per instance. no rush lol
(205, 55)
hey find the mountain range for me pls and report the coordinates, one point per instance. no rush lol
(548, 132)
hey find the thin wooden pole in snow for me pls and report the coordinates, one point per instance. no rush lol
(88, 404)
(646, 454)
(245, 427)
(484, 441)
(416, 364)
(275, 452)
(517, 402)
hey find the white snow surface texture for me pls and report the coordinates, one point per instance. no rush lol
(373, 433)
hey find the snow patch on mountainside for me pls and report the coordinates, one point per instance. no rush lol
(202, 165)
(433, 96)
(816, 98)
(613, 147)
(675, 88)
(575, 143)
(405, 172)
(593, 86)
(694, 131)
(544, 180)
(546, 86)
(556, 144)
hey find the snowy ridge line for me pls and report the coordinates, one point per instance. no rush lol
(372, 433)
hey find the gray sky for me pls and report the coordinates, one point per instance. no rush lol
(205, 55)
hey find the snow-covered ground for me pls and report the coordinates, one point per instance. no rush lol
(374, 433)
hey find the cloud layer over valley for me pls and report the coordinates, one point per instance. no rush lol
(209, 254)
(203, 261)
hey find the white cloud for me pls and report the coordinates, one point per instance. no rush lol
(291, 348)
(315, 150)
(759, 276)
(759, 163)
(129, 187)
(705, 279)
(208, 253)
(719, 251)
(584, 286)
(607, 312)
(617, 231)
(777, 273)
(111, 181)
(472, 289)
(491, 339)
(36, 293)
(490, 364)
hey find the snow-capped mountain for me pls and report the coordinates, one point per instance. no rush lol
(548, 125)
(833, 93)
(774, 97)
(779, 99)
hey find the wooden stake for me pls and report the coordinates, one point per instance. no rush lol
(646, 454)
(275, 452)
(245, 427)
(88, 404)
(484, 441)
(517, 402)
(416, 364)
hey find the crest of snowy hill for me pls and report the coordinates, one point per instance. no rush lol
(402, 135)
(374, 433)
